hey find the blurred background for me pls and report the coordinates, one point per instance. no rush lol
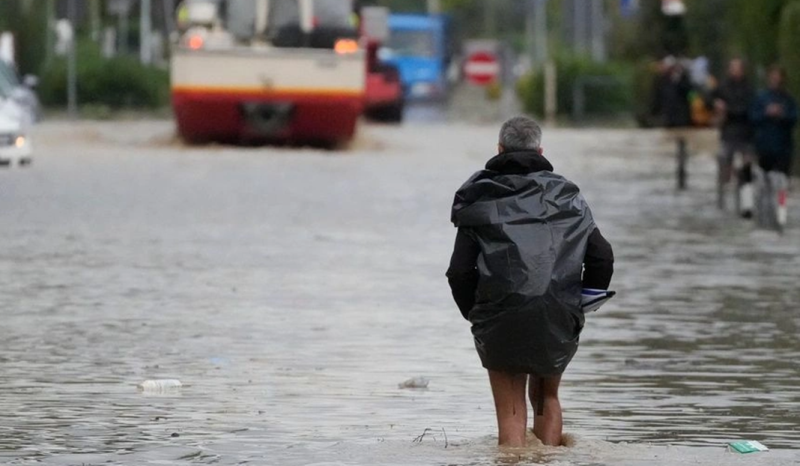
(604, 53)
(244, 204)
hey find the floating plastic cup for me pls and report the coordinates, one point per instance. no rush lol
(416, 382)
(160, 385)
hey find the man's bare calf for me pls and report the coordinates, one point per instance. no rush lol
(547, 419)
(511, 406)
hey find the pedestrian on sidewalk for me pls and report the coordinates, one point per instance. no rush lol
(733, 100)
(672, 107)
(526, 246)
(774, 116)
(671, 99)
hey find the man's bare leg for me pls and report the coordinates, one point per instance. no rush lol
(547, 422)
(511, 406)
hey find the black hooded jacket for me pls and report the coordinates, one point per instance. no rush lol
(738, 96)
(525, 247)
(671, 100)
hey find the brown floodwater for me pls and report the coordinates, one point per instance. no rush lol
(291, 290)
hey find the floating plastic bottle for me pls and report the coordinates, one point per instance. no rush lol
(160, 385)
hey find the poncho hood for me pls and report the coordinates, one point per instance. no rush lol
(514, 186)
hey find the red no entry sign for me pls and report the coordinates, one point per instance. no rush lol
(482, 68)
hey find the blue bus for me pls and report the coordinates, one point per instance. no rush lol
(418, 47)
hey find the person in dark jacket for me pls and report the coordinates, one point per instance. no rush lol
(732, 102)
(774, 115)
(671, 100)
(526, 246)
(671, 106)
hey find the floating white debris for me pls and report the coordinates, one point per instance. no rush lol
(747, 446)
(160, 385)
(416, 382)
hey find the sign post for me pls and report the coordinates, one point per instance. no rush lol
(72, 75)
(482, 68)
(145, 33)
(122, 9)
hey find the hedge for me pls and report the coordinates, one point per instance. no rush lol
(599, 100)
(119, 82)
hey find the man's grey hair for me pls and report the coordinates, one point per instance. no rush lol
(519, 134)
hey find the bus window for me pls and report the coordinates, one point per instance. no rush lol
(283, 24)
(332, 20)
(333, 13)
(412, 43)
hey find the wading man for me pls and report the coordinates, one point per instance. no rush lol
(526, 246)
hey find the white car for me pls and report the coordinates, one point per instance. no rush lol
(15, 142)
(22, 91)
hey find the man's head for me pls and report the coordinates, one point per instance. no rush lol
(776, 77)
(736, 69)
(520, 134)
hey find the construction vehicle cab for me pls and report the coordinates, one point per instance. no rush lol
(268, 70)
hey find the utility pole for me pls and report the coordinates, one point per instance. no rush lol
(169, 17)
(598, 31)
(94, 19)
(540, 23)
(145, 33)
(536, 30)
(530, 31)
(123, 32)
(580, 26)
(72, 78)
(536, 35)
(50, 11)
(490, 17)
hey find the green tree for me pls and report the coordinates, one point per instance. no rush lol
(26, 20)
(709, 28)
(755, 28)
(790, 56)
(657, 35)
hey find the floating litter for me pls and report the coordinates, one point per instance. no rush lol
(416, 382)
(747, 446)
(161, 385)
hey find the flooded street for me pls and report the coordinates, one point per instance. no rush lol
(292, 290)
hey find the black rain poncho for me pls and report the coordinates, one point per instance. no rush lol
(532, 229)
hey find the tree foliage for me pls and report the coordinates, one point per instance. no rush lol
(790, 56)
(708, 28)
(119, 82)
(27, 22)
(755, 28)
